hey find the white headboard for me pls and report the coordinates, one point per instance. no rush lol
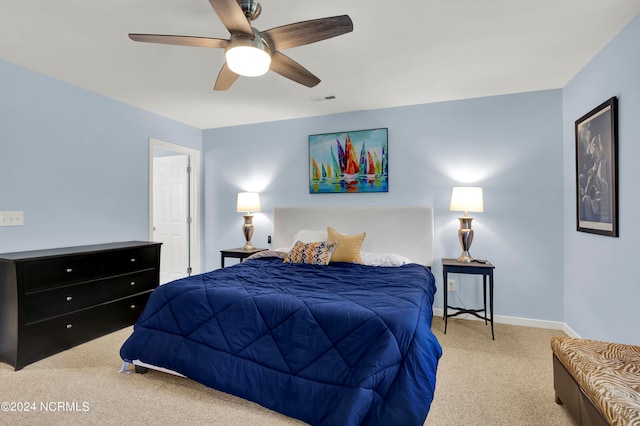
(407, 231)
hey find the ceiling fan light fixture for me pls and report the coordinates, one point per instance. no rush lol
(248, 61)
(249, 57)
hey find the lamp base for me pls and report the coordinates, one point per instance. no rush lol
(248, 246)
(247, 230)
(465, 257)
(465, 235)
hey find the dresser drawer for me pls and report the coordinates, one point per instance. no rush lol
(130, 284)
(61, 300)
(124, 312)
(45, 338)
(129, 260)
(59, 271)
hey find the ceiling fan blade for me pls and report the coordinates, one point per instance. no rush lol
(225, 79)
(232, 16)
(180, 40)
(306, 32)
(287, 67)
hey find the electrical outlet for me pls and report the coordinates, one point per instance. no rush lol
(451, 285)
(12, 218)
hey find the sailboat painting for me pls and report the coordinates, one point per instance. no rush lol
(355, 161)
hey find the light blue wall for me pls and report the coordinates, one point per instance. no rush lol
(602, 290)
(510, 145)
(75, 162)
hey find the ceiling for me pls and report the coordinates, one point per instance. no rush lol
(401, 52)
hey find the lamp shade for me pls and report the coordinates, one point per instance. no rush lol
(248, 202)
(466, 199)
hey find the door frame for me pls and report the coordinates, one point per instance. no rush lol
(194, 196)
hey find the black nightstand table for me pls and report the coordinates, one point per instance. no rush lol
(452, 266)
(238, 253)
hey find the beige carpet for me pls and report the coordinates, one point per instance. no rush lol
(481, 382)
(507, 381)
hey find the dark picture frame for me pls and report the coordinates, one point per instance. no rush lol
(356, 161)
(597, 170)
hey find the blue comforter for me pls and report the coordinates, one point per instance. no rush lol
(342, 344)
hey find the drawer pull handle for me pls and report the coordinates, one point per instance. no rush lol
(133, 306)
(69, 270)
(69, 326)
(69, 298)
(133, 283)
(133, 259)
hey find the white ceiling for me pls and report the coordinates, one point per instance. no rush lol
(401, 52)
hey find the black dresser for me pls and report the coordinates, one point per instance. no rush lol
(52, 300)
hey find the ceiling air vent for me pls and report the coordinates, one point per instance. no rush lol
(323, 98)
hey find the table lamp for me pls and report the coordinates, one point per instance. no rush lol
(248, 202)
(466, 199)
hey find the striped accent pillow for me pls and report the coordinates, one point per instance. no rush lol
(317, 253)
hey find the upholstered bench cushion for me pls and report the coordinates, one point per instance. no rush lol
(608, 373)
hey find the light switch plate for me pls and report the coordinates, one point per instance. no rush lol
(11, 218)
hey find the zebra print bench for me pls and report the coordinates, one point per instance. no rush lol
(598, 382)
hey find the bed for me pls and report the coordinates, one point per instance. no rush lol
(330, 344)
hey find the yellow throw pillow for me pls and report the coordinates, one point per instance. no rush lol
(348, 249)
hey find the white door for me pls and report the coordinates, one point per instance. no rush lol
(171, 215)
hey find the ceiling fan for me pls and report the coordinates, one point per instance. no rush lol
(251, 52)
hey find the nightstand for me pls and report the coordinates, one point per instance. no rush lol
(238, 253)
(452, 266)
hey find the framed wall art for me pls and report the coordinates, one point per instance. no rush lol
(597, 170)
(348, 162)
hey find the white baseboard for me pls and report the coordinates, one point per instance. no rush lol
(569, 331)
(526, 322)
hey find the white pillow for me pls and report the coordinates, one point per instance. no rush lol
(310, 236)
(383, 259)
